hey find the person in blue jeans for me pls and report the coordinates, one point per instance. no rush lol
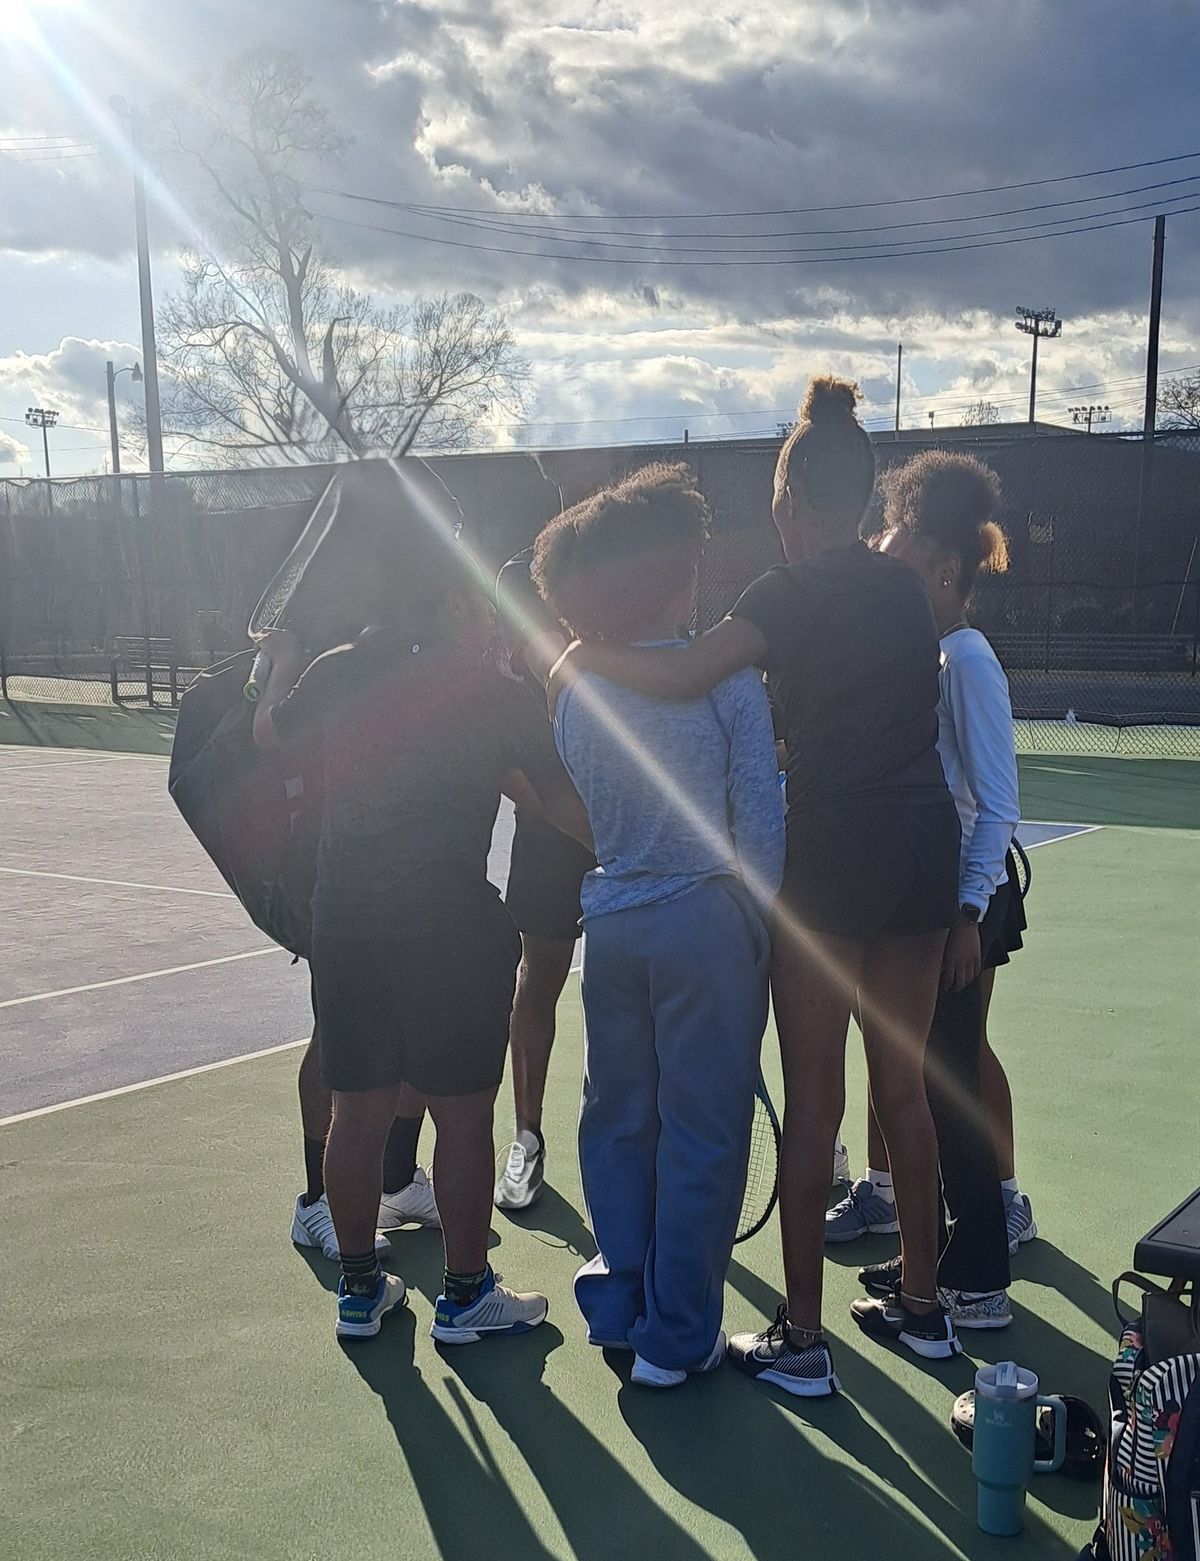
(688, 821)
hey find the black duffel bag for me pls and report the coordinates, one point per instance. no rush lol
(256, 813)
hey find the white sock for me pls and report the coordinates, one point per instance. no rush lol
(881, 1182)
(1009, 1184)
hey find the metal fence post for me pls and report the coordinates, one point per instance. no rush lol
(4, 674)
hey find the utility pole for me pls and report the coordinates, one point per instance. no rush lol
(1150, 415)
(135, 373)
(1090, 415)
(154, 446)
(1156, 279)
(1037, 323)
(43, 418)
(899, 361)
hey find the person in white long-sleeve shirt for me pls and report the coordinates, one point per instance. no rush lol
(938, 518)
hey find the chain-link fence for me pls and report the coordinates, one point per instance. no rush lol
(119, 587)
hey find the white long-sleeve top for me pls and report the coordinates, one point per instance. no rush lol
(975, 740)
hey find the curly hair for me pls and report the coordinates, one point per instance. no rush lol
(827, 458)
(609, 565)
(949, 501)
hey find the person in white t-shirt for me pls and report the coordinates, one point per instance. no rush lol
(938, 518)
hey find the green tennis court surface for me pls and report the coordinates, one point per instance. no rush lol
(170, 1383)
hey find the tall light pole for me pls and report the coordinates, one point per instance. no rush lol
(1090, 415)
(43, 418)
(135, 373)
(154, 446)
(1037, 323)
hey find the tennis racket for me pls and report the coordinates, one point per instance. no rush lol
(762, 1174)
(350, 555)
(272, 609)
(1023, 877)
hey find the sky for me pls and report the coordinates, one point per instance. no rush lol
(645, 191)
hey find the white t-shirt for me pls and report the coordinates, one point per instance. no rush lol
(975, 740)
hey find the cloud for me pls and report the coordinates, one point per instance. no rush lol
(12, 451)
(644, 107)
(70, 379)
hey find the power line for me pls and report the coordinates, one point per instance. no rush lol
(798, 211)
(668, 247)
(502, 223)
(809, 260)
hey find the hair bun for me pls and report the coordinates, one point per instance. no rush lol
(829, 400)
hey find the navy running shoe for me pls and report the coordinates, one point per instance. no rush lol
(770, 1357)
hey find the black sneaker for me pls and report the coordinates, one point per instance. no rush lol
(881, 1279)
(928, 1334)
(770, 1357)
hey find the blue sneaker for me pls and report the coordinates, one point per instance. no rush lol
(494, 1310)
(861, 1212)
(360, 1316)
(1018, 1216)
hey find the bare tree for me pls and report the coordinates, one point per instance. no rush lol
(1179, 402)
(980, 412)
(268, 352)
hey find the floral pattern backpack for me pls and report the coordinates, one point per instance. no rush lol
(1150, 1509)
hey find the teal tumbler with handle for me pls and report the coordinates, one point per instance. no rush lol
(1002, 1452)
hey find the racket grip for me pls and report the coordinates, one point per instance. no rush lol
(256, 683)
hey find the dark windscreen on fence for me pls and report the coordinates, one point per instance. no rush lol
(120, 587)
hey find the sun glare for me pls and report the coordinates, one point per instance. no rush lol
(22, 18)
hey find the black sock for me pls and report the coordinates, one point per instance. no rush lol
(314, 1169)
(400, 1153)
(362, 1274)
(463, 1288)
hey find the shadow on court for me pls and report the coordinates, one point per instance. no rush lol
(554, 1222)
(603, 1510)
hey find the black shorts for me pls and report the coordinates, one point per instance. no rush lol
(1000, 931)
(865, 869)
(426, 1004)
(543, 880)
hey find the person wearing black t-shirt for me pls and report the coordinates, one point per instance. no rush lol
(850, 648)
(413, 955)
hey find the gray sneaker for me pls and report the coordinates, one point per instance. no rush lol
(861, 1212)
(989, 1310)
(1018, 1216)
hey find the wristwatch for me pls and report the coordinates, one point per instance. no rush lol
(969, 914)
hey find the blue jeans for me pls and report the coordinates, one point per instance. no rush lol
(675, 1004)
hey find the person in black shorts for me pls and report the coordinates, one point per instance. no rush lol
(938, 518)
(546, 871)
(413, 954)
(850, 648)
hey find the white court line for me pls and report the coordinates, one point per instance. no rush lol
(1076, 831)
(23, 768)
(117, 883)
(87, 755)
(149, 975)
(166, 1078)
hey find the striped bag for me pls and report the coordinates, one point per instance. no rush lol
(1150, 1509)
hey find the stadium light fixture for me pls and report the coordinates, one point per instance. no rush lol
(1090, 414)
(43, 418)
(1037, 323)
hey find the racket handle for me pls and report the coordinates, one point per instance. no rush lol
(256, 683)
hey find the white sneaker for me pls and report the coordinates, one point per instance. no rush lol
(520, 1183)
(312, 1226)
(841, 1162)
(647, 1375)
(412, 1205)
(494, 1310)
(361, 1316)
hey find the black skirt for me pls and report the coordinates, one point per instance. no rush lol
(1003, 923)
